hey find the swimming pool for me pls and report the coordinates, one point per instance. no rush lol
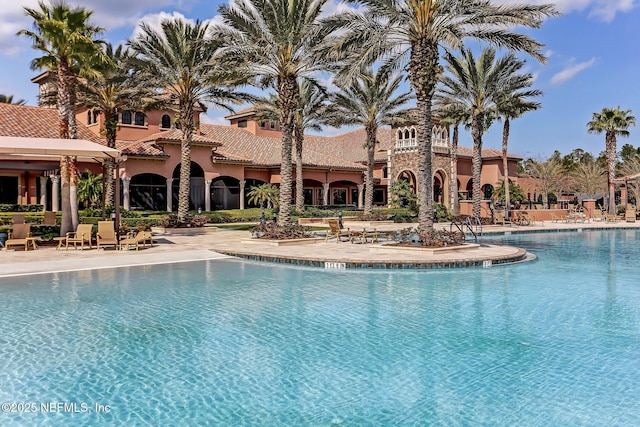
(232, 343)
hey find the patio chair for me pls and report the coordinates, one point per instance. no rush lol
(630, 214)
(19, 236)
(499, 219)
(364, 235)
(17, 219)
(336, 232)
(49, 218)
(82, 235)
(106, 234)
(140, 237)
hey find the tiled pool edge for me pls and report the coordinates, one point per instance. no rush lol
(487, 261)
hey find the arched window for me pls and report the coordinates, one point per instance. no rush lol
(406, 134)
(139, 119)
(126, 117)
(95, 116)
(399, 134)
(413, 133)
(88, 117)
(166, 121)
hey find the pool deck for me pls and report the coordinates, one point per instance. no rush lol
(224, 244)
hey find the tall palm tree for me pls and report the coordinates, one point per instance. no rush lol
(514, 103)
(275, 41)
(478, 86)
(409, 33)
(614, 123)
(179, 62)
(70, 48)
(108, 93)
(8, 99)
(371, 101)
(310, 115)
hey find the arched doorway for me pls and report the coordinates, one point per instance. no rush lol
(196, 192)
(225, 193)
(487, 191)
(147, 191)
(440, 187)
(408, 176)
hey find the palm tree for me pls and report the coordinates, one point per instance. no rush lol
(370, 101)
(108, 94)
(409, 33)
(310, 115)
(70, 49)
(90, 189)
(477, 87)
(275, 41)
(180, 64)
(614, 123)
(8, 99)
(264, 194)
(512, 105)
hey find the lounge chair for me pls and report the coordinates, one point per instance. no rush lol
(499, 219)
(141, 237)
(17, 219)
(82, 235)
(106, 234)
(19, 236)
(522, 218)
(49, 218)
(364, 235)
(597, 215)
(334, 231)
(630, 214)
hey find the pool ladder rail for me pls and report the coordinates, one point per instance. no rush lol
(470, 225)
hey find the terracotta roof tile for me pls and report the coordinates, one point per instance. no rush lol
(175, 135)
(37, 122)
(140, 148)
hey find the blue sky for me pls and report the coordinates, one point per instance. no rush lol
(593, 52)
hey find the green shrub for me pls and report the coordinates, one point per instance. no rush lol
(9, 207)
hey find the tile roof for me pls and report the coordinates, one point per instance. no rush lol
(37, 122)
(140, 149)
(175, 135)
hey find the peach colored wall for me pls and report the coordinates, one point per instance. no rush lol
(132, 132)
(257, 174)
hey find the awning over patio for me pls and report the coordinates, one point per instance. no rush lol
(21, 148)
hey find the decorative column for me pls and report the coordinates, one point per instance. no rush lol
(55, 193)
(360, 196)
(126, 198)
(207, 195)
(325, 193)
(169, 194)
(242, 184)
(43, 191)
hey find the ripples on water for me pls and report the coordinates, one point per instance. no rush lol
(551, 342)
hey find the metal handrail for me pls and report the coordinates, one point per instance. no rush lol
(467, 223)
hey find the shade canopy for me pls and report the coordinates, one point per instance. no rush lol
(19, 148)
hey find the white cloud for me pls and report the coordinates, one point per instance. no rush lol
(571, 71)
(604, 10)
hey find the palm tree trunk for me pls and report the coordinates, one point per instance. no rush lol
(299, 137)
(422, 75)
(476, 132)
(288, 96)
(66, 224)
(73, 164)
(505, 168)
(611, 170)
(372, 131)
(111, 129)
(455, 204)
(186, 120)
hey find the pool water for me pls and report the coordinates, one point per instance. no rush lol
(233, 343)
